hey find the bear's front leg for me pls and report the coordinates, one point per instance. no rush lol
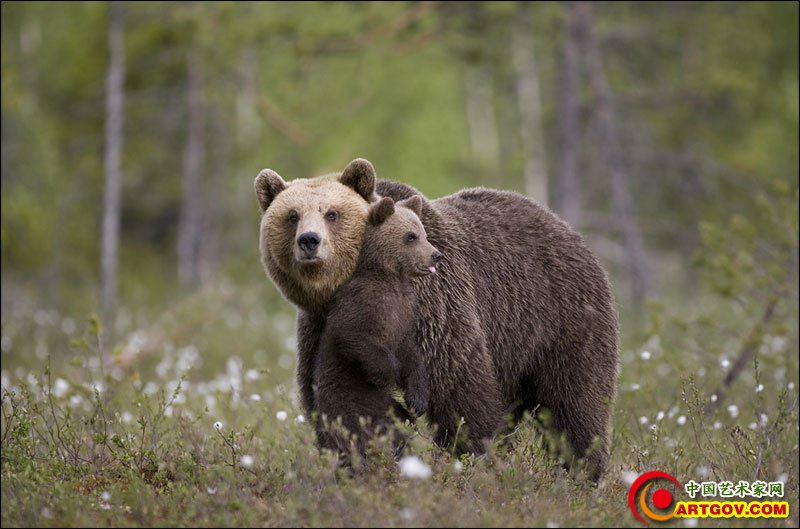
(413, 377)
(309, 331)
(416, 389)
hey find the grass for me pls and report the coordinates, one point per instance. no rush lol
(126, 436)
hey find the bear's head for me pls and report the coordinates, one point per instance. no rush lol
(312, 230)
(395, 241)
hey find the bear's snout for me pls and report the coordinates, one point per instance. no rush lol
(308, 243)
(436, 257)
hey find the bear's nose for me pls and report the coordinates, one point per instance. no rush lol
(437, 256)
(308, 242)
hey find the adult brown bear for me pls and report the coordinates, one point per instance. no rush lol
(520, 315)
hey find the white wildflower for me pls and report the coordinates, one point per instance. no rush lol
(299, 419)
(60, 388)
(218, 425)
(407, 513)
(628, 477)
(681, 420)
(733, 410)
(247, 461)
(414, 467)
(659, 415)
(645, 355)
(281, 415)
(458, 466)
(759, 388)
(643, 420)
(255, 397)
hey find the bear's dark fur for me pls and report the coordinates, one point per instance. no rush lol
(368, 344)
(520, 314)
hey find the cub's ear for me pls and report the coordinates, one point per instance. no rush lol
(380, 211)
(413, 203)
(359, 175)
(268, 185)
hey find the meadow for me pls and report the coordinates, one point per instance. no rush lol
(191, 420)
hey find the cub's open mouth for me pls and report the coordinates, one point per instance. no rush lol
(425, 270)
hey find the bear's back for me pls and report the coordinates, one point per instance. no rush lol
(528, 278)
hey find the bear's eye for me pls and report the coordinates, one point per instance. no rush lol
(411, 237)
(331, 216)
(294, 217)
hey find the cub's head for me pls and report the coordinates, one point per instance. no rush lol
(395, 240)
(312, 230)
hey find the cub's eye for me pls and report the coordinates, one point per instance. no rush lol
(294, 217)
(411, 237)
(331, 216)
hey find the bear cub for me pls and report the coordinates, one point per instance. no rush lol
(367, 347)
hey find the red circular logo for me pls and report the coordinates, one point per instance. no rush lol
(662, 498)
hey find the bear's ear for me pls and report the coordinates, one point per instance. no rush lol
(359, 175)
(413, 203)
(268, 185)
(380, 211)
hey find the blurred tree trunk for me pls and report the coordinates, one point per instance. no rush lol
(190, 229)
(115, 100)
(610, 151)
(214, 199)
(568, 193)
(247, 119)
(529, 105)
(480, 113)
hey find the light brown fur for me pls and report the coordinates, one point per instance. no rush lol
(313, 284)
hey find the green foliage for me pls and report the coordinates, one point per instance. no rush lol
(707, 93)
